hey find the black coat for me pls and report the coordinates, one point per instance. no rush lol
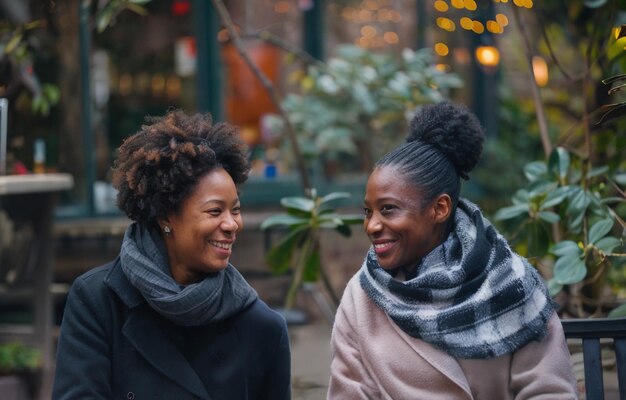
(113, 345)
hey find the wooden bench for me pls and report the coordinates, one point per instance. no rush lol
(591, 330)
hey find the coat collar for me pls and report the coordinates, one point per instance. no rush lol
(142, 330)
(445, 363)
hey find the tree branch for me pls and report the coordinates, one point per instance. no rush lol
(269, 86)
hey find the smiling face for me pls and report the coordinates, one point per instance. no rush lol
(400, 229)
(204, 229)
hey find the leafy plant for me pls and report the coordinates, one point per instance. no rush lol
(567, 211)
(304, 220)
(16, 357)
(358, 103)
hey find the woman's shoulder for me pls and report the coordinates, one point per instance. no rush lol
(260, 316)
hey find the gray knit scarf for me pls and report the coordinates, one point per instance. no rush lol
(218, 296)
(472, 296)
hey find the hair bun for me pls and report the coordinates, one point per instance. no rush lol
(452, 128)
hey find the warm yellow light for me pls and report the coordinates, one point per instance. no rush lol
(619, 31)
(364, 42)
(442, 67)
(478, 27)
(502, 19)
(391, 37)
(466, 23)
(460, 4)
(172, 86)
(441, 49)
(471, 5)
(368, 31)
(494, 27)
(125, 84)
(395, 16)
(158, 84)
(540, 70)
(371, 5)
(446, 24)
(488, 56)
(441, 6)
(384, 15)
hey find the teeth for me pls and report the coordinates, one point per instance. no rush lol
(381, 245)
(221, 245)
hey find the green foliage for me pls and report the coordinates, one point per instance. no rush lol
(304, 220)
(566, 212)
(105, 17)
(358, 103)
(17, 357)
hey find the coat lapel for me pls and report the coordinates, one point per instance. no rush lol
(148, 339)
(143, 332)
(443, 362)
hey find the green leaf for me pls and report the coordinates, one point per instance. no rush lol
(566, 247)
(549, 217)
(620, 178)
(535, 170)
(347, 219)
(511, 212)
(283, 220)
(569, 270)
(607, 244)
(137, 9)
(618, 312)
(298, 203)
(12, 44)
(555, 197)
(352, 219)
(344, 230)
(554, 287)
(540, 187)
(575, 221)
(279, 256)
(611, 200)
(334, 196)
(595, 3)
(312, 266)
(578, 201)
(597, 171)
(558, 163)
(600, 229)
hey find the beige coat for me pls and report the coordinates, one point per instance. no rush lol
(374, 359)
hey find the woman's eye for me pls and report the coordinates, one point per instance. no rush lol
(236, 210)
(366, 211)
(214, 212)
(387, 208)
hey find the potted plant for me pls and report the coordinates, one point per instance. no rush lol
(304, 220)
(20, 371)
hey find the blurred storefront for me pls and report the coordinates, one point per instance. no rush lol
(178, 55)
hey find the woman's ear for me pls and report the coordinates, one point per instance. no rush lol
(163, 222)
(442, 208)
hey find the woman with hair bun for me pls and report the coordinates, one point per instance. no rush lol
(442, 308)
(171, 318)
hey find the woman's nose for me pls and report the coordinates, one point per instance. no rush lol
(230, 223)
(372, 225)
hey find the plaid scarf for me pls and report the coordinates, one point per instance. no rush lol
(218, 296)
(472, 296)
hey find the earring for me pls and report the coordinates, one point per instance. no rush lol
(167, 230)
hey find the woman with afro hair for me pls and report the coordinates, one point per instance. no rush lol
(171, 318)
(442, 308)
